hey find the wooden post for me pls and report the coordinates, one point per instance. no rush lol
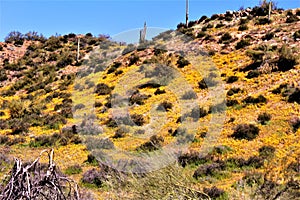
(187, 13)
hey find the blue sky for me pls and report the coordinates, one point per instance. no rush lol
(108, 17)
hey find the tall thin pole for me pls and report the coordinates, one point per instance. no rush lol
(78, 49)
(270, 9)
(187, 13)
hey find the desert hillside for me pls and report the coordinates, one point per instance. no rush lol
(207, 111)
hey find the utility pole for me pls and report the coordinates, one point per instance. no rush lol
(187, 13)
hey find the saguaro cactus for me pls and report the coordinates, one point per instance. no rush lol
(143, 33)
(270, 9)
(78, 44)
(187, 13)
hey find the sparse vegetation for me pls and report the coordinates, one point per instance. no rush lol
(43, 87)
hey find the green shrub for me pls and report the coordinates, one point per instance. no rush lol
(154, 144)
(245, 131)
(138, 98)
(253, 100)
(266, 151)
(215, 193)
(292, 19)
(138, 119)
(133, 59)
(243, 21)
(296, 35)
(263, 118)
(232, 79)
(268, 36)
(3, 75)
(53, 43)
(204, 17)
(201, 34)
(253, 74)
(255, 161)
(286, 60)
(226, 37)
(78, 106)
(102, 89)
(207, 82)
(165, 106)
(196, 113)
(99, 143)
(159, 91)
(91, 159)
(74, 169)
(233, 91)
(295, 123)
(220, 25)
(192, 158)
(214, 16)
(4, 139)
(15, 37)
(243, 27)
(259, 11)
(209, 169)
(121, 132)
(231, 102)
(182, 62)
(93, 176)
(262, 21)
(189, 95)
(243, 43)
(294, 96)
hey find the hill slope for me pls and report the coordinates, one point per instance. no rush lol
(241, 99)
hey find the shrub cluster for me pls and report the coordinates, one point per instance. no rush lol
(209, 169)
(245, 131)
(243, 27)
(263, 118)
(225, 38)
(262, 21)
(165, 106)
(253, 74)
(102, 89)
(286, 60)
(232, 79)
(215, 193)
(192, 157)
(296, 35)
(266, 151)
(74, 169)
(295, 123)
(93, 176)
(120, 132)
(154, 144)
(253, 100)
(138, 98)
(233, 91)
(292, 18)
(182, 62)
(189, 95)
(63, 139)
(243, 43)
